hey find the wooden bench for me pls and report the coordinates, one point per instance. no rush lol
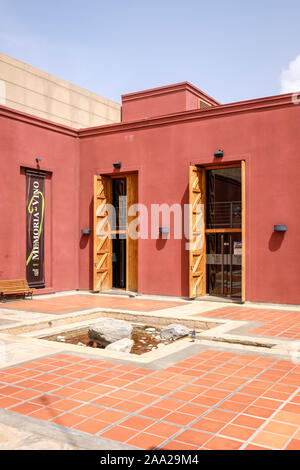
(15, 287)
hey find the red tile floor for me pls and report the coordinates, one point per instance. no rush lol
(213, 400)
(279, 323)
(70, 303)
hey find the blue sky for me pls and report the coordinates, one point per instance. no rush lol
(233, 50)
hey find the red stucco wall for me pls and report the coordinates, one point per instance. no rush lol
(160, 101)
(268, 140)
(264, 134)
(20, 143)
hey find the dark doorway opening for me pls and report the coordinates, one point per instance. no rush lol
(119, 200)
(224, 232)
(224, 265)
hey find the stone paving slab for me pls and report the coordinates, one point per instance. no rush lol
(210, 400)
(12, 438)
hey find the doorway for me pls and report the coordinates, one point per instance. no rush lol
(217, 231)
(224, 232)
(224, 265)
(115, 259)
(119, 201)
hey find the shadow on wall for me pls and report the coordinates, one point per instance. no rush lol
(161, 243)
(276, 240)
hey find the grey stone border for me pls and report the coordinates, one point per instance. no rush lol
(63, 434)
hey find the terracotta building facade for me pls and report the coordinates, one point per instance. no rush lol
(177, 147)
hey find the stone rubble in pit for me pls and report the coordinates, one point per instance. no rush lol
(109, 331)
(174, 331)
(122, 345)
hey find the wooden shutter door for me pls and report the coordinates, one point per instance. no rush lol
(132, 245)
(197, 253)
(102, 240)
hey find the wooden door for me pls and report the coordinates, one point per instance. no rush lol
(132, 244)
(102, 239)
(197, 252)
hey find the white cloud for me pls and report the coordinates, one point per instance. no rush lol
(290, 77)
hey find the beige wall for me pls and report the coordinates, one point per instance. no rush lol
(33, 91)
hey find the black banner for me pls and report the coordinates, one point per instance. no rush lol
(35, 214)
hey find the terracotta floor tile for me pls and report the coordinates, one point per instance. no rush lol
(79, 375)
(267, 439)
(44, 387)
(179, 418)
(219, 415)
(287, 417)
(47, 377)
(248, 421)
(215, 393)
(65, 405)
(146, 441)
(110, 416)
(234, 406)
(259, 411)
(276, 395)
(191, 409)
(153, 381)
(9, 390)
(116, 382)
(45, 413)
(91, 426)
(154, 412)
(129, 406)
(45, 400)
(29, 383)
(86, 410)
(268, 403)
(62, 381)
(8, 401)
(195, 389)
(137, 422)
(171, 405)
(101, 389)
(242, 398)
(68, 419)
(290, 407)
(237, 432)
(171, 386)
(66, 392)
(119, 433)
(106, 401)
(254, 391)
(163, 429)
(25, 408)
(85, 396)
(254, 447)
(205, 401)
(195, 438)
(280, 428)
(208, 425)
(221, 443)
(161, 392)
(294, 445)
(25, 394)
(175, 445)
(123, 394)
